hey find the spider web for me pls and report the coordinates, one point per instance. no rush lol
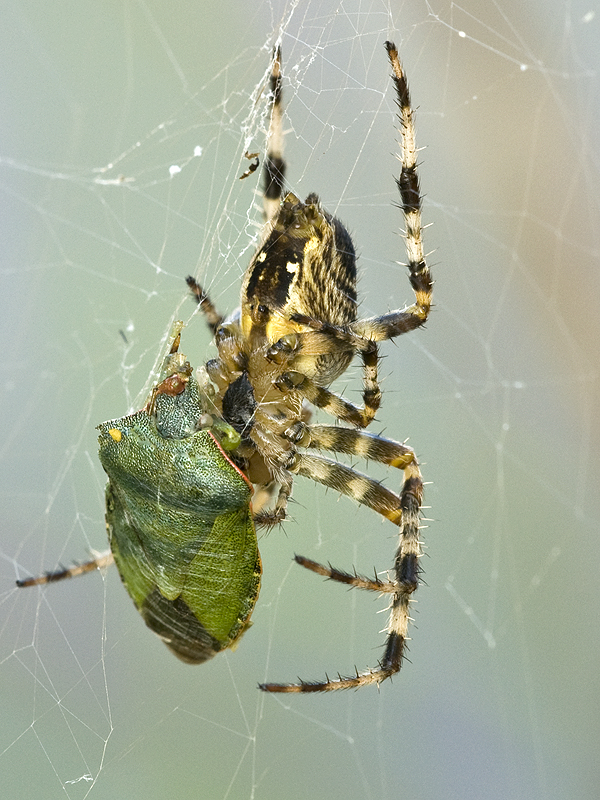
(123, 139)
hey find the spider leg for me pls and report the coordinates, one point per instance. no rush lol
(403, 511)
(213, 319)
(371, 390)
(102, 560)
(274, 168)
(364, 444)
(352, 442)
(325, 339)
(361, 334)
(330, 402)
(390, 325)
(277, 514)
(273, 184)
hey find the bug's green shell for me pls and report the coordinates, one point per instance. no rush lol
(180, 526)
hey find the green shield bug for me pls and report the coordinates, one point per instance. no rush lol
(178, 517)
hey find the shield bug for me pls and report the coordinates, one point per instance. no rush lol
(178, 517)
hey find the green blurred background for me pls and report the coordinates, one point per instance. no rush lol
(499, 395)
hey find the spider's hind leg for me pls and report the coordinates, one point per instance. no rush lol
(403, 510)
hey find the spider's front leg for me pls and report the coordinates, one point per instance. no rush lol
(331, 340)
(274, 170)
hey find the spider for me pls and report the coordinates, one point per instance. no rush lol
(295, 332)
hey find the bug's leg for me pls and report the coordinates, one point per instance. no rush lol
(102, 560)
(274, 168)
(403, 511)
(254, 158)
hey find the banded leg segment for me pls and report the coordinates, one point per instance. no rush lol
(323, 398)
(274, 169)
(410, 196)
(326, 339)
(213, 319)
(364, 444)
(388, 326)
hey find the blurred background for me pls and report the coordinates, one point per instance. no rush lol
(122, 137)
